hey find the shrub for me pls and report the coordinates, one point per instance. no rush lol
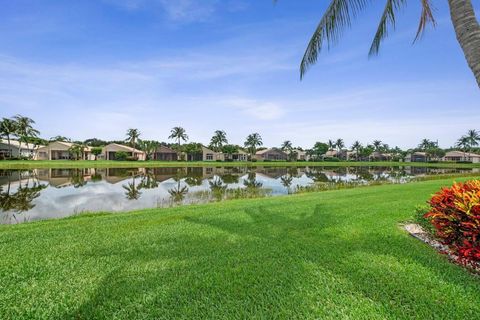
(331, 159)
(131, 158)
(121, 156)
(455, 214)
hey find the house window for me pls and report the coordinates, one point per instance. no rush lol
(209, 156)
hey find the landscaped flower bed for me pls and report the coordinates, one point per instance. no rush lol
(455, 215)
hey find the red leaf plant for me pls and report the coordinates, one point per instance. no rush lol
(455, 214)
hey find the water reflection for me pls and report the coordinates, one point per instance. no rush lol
(48, 193)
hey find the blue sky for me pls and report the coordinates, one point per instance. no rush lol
(94, 68)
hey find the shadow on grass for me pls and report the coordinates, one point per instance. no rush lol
(270, 262)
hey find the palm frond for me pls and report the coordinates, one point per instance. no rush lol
(426, 17)
(337, 17)
(387, 19)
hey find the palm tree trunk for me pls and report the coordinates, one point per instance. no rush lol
(467, 30)
(9, 146)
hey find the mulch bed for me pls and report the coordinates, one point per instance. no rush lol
(416, 231)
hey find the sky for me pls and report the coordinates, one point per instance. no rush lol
(94, 68)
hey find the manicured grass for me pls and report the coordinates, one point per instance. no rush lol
(144, 164)
(329, 255)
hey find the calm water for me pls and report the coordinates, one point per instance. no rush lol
(27, 195)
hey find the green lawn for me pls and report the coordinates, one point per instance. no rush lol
(329, 255)
(143, 164)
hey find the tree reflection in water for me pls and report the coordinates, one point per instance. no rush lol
(132, 191)
(178, 193)
(22, 199)
(217, 188)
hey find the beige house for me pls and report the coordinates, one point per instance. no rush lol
(58, 150)
(210, 155)
(300, 155)
(272, 154)
(461, 156)
(17, 149)
(240, 155)
(109, 152)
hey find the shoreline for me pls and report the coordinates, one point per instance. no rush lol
(32, 164)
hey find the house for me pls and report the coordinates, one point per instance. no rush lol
(17, 149)
(461, 156)
(59, 150)
(380, 156)
(164, 153)
(300, 155)
(240, 155)
(342, 154)
(416, 157)
(210, 155)
(272, 154)
(109, 152)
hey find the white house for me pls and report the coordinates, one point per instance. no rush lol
(17, 149)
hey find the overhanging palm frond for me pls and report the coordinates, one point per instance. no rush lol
(388, 18)
(426, 17)
(337, 16)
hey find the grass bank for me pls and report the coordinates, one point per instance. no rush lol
(149, 164)
(329, 255)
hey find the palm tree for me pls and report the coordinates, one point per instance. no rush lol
(331, 144)
(377, 144)
(25, 129)
(356, 147)
(179, 134)
(132, 136)
(426, 144)
(287, 145)
(339, 14)
(253, 141)
(473, 137)
(463, 143)
(339, 144)
(8, 128)
(218, 140)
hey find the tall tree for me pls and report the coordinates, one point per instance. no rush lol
(132, 137)
(356, 147)
(8, 128)
(331, 144)
(464, 144)
(252, 142)
(25, 129)
(218, 140)
(179, 134)
(339, 14)
(473, 138)
(426, 144)
(377, 145)
(319, 149)
(287, 145)
(339, 144)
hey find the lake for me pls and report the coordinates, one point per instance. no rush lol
(28, 195)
